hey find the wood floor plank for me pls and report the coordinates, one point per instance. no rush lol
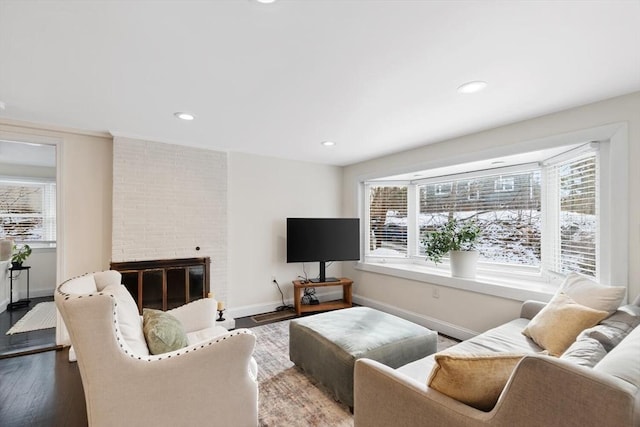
(41, 389)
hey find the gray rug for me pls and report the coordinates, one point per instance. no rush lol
(288, 397)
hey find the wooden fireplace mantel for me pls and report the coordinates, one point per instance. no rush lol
(165, 283)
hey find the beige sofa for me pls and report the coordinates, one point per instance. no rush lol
(541, 391)
(212, 381)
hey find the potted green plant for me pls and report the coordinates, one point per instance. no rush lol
(458, 239)
(20, 253)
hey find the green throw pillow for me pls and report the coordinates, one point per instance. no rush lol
(162, 331)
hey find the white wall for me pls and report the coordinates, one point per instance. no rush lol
(469, 311)
(263, 192)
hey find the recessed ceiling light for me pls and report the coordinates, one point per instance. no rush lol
(328, 143)
(265, 1)
(472, 87)
(184, 116)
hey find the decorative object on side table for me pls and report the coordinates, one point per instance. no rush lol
(20, 254)
(220, 311)
(458, 238)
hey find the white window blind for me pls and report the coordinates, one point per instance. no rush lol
(572, 197)
(28, 210)
(387, 220)
(506, 206)
(540, 216)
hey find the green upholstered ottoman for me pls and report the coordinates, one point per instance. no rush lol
(327, 345)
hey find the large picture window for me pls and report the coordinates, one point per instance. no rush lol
(541, 216)
(28, 210)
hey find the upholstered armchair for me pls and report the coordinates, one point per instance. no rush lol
(211, 382)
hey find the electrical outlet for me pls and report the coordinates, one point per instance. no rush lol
(436, 293)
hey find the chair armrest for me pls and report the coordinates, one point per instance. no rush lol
(196, 315)
(530, 308)
(215, 373)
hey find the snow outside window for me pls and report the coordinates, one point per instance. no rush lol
(510, 220)
(387, 220)
(28, 210)
(541, 216)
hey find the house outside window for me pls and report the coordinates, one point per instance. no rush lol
(539, 217)
(28, 211)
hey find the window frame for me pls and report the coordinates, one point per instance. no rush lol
(613, 235)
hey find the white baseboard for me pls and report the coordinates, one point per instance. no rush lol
(250, 310)
(445, 328)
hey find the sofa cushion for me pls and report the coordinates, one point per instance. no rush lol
(129, 321)
(589, 293)
(163, 332)
(505, 338)
(558, 324)
(475, 380)
(205, 334)
(622, 361)
(107, 278)
(612, 330)
(585, 351)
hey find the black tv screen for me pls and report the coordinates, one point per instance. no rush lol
(322, 240)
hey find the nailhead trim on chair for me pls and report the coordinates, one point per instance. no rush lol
(122, 343)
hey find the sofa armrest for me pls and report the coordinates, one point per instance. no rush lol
(384, 397)
(196, 315)
(545, 390)
(530, 308)
(541, 391)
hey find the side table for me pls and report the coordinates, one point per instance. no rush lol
(23, 302)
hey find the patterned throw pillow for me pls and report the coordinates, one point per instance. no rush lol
(162, 331)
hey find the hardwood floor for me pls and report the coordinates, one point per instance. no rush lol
(26, 342)
(41, 389)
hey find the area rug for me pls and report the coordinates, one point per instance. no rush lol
(41, 316)
(288, 397)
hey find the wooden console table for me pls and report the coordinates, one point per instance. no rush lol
(346, 302)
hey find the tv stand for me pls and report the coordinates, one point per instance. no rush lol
(298, 287)
(326, 280)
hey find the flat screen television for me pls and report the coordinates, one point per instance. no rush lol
(323, 240)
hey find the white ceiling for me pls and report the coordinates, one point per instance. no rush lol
(374, 76)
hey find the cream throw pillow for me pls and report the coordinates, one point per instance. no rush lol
(558, 324)
(129, 319)
(475, 380)
(592, 294)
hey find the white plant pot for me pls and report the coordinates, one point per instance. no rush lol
(464, 263)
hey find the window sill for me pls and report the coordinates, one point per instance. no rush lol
(515, 288)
